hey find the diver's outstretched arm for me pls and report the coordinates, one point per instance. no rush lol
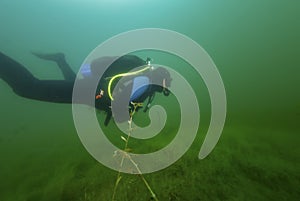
(59, 58)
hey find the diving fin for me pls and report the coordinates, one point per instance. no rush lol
(57, 57)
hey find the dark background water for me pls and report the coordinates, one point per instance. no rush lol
(255, 45)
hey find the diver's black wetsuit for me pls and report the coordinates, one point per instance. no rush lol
(59, 91)
(26, 85)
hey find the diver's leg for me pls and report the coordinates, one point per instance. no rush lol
(150, 99)
(15, 75)
(59, 58)
(108, 117)
(56, 91)
(26, 85)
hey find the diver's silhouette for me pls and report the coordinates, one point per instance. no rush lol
(26, 85)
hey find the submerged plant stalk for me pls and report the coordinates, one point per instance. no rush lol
(135, 105)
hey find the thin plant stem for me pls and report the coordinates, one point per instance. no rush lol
(135, 105)
(144, 180)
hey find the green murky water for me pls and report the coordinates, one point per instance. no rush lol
(255, 46)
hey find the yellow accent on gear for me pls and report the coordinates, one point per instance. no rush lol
(122, 75)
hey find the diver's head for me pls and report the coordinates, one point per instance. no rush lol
(162, 77)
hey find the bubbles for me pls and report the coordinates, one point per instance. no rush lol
(91, 134)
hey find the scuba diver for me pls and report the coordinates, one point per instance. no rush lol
(137, 83)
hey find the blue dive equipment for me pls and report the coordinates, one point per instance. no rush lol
(146, 67)
(85, 70)
(139, 86)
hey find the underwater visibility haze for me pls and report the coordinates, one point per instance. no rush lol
(255, 46)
